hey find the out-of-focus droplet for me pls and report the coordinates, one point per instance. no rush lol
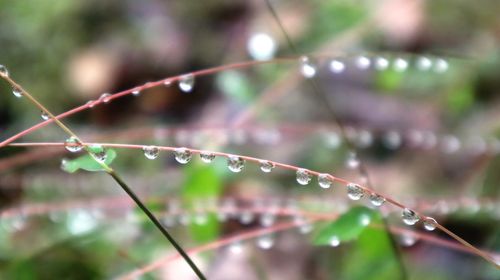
(400, 64)
(307, 68)
(136, 92)
(105, 97)
(186, 83)
(261, 46)
(334, 241)
(441, 65)
(424, 63)
(265, 242)
(352, 161)
(381, 63)
(392, 139)
(363, 62)
(337, 66)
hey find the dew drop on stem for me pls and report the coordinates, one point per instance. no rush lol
(409, 217)
(136, 92)
(207, 157)
(303, 177)
(376, 199)
(307, 68)
(235, 163)
(186, 83)
(99, 153)
(354, 191)
(151, 152)
(17, 92)
(105, 97)
(265, 242)
(73, 145)
(324, 181)
(4, 71)
(182, 155)
(337, 66)
(266, 166)
(429, 224)
(45, 116)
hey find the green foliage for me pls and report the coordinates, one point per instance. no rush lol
(88, 163)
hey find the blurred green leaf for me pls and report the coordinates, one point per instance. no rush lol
(346, 228)
(88, 163)
(460, 99)
(202, 183)
(235, 85)
(389, 80)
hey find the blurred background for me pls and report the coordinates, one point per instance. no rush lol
(414, 85)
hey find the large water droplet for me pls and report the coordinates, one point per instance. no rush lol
(354, 191)
(337, 66)
(363, 62)
(73, 145)
(105, 97)
(136, 92)
(261, 46)
(4, 71)
(186, 83)
(307, 68)
(303, 177)
(409, 217)
(99, 153)
(266, 166)
(235, 163)
(151, 152)
(324, 181)
(182, 155)
(45, 116)
(376, 199)
(265, 242)
(207, 157)
(17, 92)
(430, 224)
(334, 241)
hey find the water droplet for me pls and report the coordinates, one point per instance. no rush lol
(334, 241)
(235, 164)
(17, 92)
(182, 155)
(303, 177)
(352, 160)
(376, 199)
(381, 63)
(409, 217)
(261, 46)
(324, 181)
(4, 71)
(265, 242)
(45, 116)
(392, 140)
(400, 65)
(105, 97)
(364, 139)
(307, 68)
(267, 219)
(332, 140)
(73, 145)
(246, 217)
(207, 157)
(90, 103)
(430, 224)
(236, 248)
(424, 63)
(354, 191)
(441, 65)
(136, 92)
(99, 153)
(408, 239)
(337, 66)
(266, 166)
(151, 152)
(167, 83)
(185, 219)
(450, 144)
(365, 220)
(186, 83)
(363, 62)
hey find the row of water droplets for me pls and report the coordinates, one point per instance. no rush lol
(308, 67)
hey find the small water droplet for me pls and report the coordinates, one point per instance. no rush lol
(400, 65)
(201, 219)
(332, 140)
(363, 62)
(376, 199)
(408, 239)
(186, 83)
(99, 153)
(45, 116)
(90, 103)
(381, 63)
(354, 191)
(207, 157)
(105, 97)
(182, 155)
(337, 66)
(266, 166)
(73, 145)
(151, 152)
(185, 219)
(136, 92)
(364, 139)
(261, 46)
(429, 224)
(365, 220)
(334, 241)
(409, 217)
(352, 160)
(235, 164)
(392, 139)
(236, 248)
(17, 92)
(303, 177)
(450, 144)
(246, 217)
(441, 65)
(267, 219)
(324, 181)
(424, 63)
(307, 68)
(265, 242)
(4, 71)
